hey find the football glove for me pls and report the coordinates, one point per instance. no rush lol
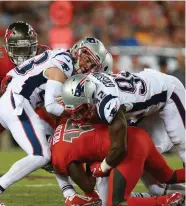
(97, 170)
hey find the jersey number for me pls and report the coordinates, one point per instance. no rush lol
(128, 82)
(23, 70)
(72, 131)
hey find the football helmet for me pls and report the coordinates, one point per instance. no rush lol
(20, 42)
(78, 97)
(89, 55)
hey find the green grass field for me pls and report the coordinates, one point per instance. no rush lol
(40, 188)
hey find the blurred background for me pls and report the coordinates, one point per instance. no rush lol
(139, 34)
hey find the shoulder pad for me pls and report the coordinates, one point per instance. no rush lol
(63, 61)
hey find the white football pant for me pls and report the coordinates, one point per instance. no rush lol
(29, 132)
(167, 129)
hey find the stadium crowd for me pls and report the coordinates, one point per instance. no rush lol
(152, 23)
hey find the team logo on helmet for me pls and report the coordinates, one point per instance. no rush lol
(8, 34)
(91, 40)
(79, 92)
(33, 33)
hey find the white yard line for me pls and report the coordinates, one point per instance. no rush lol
(48, 185)
(36, 185)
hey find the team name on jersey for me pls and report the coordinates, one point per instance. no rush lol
(104, 79)
(56, 137)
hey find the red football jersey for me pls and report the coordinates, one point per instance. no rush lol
(85, 144)
(6, 64)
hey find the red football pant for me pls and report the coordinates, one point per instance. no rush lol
(141, 154)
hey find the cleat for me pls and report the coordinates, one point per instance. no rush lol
(2, 204)
(175, 199)
(79, 200)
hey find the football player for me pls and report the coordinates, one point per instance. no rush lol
(21, 43)
(40, 80)
(92, 142)
(136, 97)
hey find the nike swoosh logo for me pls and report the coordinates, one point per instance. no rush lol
(109, 106)
(68, 60)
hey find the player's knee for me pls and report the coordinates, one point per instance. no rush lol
(46, 156)
(157, 190)
(44, 160)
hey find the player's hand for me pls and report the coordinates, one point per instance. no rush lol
(4, 83)
(96, 170)
(59, 100)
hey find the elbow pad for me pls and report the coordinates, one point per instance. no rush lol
(52, 90)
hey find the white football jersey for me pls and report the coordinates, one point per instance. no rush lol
(28, 78)
(141, 93)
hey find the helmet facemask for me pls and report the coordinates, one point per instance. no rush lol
(21, 42)
(86, 61)
(83, 113)
(21, 51)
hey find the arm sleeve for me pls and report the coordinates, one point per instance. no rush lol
(52, 90)
(108, 108)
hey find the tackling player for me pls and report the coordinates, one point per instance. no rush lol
(136, 97)
(92, 146)
(40, 80)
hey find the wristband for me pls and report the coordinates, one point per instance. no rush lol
(104, 166)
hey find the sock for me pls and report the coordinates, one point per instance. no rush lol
(102, 187)
(141, 194)
(180, 175)
(68, 191)
(65, 186)
(1, 189)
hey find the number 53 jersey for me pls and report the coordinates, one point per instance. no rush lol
(29, 79)
(141, 93)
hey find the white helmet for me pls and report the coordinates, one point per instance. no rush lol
(90, 55)
(78, 93)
